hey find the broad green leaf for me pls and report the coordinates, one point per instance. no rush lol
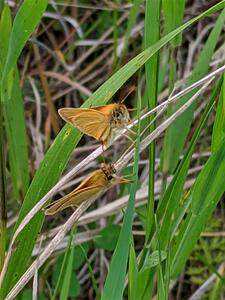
(57, 156)
(219, 123)
(80, 255)
(27, 294)
(107, 237)
(154, 259)
(206, 193)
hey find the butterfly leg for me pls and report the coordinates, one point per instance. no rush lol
(74, 207)
(130, 131)
(103, 157)
(128, 137)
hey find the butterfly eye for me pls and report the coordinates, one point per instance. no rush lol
(110, 177)
(116, 114)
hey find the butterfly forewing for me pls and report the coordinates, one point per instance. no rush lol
(72, 200)
(88, 121)
(95, 183)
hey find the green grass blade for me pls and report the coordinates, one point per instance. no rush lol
(179, 129)
(14, 118)
(173, 11)
(5, 27)
(219, 123)
(69, 252)
(57, 156)
(206, 193)
(132, 274)
(25, 22)
(67, 276)
(2, 3)
(161, 288)
(68, 270)
(17, 140)
(152, 35)
(92, 275)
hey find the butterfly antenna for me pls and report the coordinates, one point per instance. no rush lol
(133, 88)
(132, 109)
(103, 157)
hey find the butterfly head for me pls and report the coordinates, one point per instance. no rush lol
(120, 115)
(110, 173)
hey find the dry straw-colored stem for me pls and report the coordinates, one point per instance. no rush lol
(83, 207)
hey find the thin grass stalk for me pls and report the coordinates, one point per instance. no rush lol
(152, 35)
(2, 193)
(92, 275)
(173, 13)
(72, 234)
